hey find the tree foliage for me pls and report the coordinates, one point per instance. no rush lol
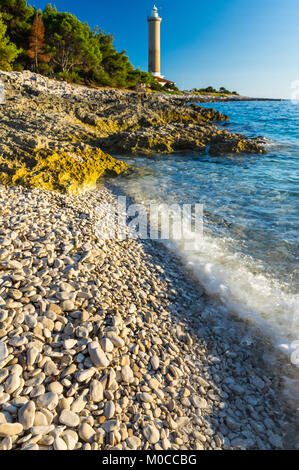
(70, 42)
(18, 17)
(75, 52)
(8, 50)
(36, 51)
(211, 89)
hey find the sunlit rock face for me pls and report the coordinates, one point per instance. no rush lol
(53, 134)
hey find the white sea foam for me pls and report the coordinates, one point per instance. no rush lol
(239, 284)
(234, 279)
(238, 281)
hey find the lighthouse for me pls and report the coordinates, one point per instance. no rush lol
(154, 21)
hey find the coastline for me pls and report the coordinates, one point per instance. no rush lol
(62, 137)
(113, 350)
(112, 345)
(189, 98)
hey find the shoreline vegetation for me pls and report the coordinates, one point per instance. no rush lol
(58, 45)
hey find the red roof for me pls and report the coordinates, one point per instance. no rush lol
(163, 80)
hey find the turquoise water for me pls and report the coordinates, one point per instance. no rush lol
(248, 256)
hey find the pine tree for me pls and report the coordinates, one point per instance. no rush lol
(8, 50)
(18, 17)
(36, 50)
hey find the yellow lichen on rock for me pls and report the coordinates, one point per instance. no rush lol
(67, 172)
(236, 145)
(108, 126)
(175, 116)
(100, 126)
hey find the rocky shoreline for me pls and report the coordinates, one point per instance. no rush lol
(59, 136)
(206, 98)
(109, 344)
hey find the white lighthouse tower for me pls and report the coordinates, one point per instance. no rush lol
(154, 21)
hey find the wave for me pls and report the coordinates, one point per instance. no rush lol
(239, 283)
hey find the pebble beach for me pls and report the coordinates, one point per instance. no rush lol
(110, 344)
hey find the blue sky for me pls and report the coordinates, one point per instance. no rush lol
(250, 46)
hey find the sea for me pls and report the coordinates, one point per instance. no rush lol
(247, 256)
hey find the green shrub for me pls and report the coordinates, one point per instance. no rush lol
(8, 50)
(72, 77)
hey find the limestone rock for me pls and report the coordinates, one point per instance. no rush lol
(97, 356)
(26, 414)
(10, 429)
